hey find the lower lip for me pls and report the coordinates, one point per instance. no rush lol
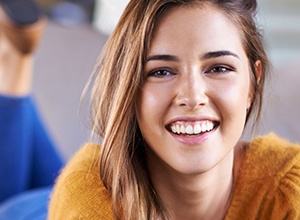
(193, 140)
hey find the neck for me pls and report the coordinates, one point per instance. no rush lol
(198, 196)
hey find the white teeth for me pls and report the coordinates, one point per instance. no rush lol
(177, 129)
(182, 129)
(190, 129)
(210, 126)
(197, 129)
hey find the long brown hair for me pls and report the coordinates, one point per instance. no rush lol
(123, 167)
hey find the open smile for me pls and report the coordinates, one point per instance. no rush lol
(192, 128)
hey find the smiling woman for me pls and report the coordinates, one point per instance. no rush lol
(175, 90)
(204, 63)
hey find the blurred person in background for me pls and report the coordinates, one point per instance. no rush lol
(28, 157)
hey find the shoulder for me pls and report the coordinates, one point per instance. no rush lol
(276, 161)
(79, 192)
(272, 155)
(268, 183)
(274, 143)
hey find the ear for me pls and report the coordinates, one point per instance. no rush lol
(258, 72)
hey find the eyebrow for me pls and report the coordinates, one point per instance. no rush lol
(206, 56)
(163, 57)
(221, 53)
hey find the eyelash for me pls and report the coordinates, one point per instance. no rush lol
(214, 70)
(160, 73)
(219, 69)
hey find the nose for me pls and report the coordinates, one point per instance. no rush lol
(191, 91)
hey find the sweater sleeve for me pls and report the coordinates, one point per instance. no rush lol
(79, 192)
(268, 186)
(283, 197)
(284, 201)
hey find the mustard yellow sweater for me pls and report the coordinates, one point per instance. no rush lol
(268, 185)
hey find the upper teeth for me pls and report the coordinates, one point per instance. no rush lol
(192, 128)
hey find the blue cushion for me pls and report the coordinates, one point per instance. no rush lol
(30, 205)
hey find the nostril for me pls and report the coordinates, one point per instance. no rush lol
(192, 101)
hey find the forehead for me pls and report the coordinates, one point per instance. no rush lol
(203, 26)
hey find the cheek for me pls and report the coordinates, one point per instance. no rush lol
(232, 98)
(151, 104)
(151, 108)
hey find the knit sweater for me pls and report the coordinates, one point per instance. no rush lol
(267, 186)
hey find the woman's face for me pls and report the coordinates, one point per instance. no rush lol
(192, 106)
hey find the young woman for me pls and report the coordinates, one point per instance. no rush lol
(178, 81)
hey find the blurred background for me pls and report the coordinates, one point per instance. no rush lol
(78, 29)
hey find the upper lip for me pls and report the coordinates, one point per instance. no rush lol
(191, 119)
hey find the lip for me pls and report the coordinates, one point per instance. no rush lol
(193, 140)
(191, 119)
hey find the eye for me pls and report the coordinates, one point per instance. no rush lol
(220, 69)
(160, 73)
